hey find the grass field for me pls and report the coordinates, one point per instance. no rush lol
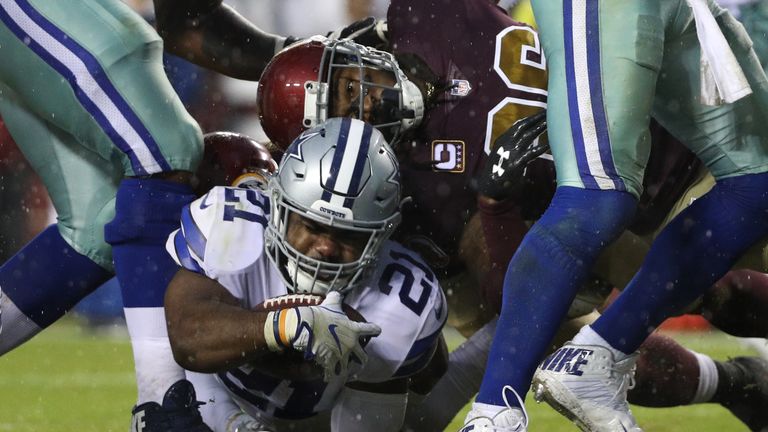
(68, 379)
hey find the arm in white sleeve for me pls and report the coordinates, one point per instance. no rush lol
(361, 411)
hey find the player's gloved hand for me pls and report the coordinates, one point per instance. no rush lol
(512, 151)
(323, 333)
(368, 31)
(242, 422)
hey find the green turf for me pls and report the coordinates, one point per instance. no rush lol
(67, 379)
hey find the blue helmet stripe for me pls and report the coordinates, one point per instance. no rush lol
(362, 155)
(338, 156)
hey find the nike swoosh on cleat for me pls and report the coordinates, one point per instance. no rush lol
(332, 329)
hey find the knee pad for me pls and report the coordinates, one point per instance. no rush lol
(586, 220)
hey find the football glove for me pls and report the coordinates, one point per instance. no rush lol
(512, 151)
(368, 31)
(242, 422)
(323, 333)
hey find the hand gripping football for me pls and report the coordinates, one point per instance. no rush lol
(289, 364)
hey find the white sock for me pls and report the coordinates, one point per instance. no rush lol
(156, 370)
(708, 378)
(588, 336)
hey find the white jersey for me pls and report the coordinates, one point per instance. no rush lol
(222, 237)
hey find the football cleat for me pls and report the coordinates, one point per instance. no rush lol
(507, 420)
(179, 412)
(750, 400)
(586, 384)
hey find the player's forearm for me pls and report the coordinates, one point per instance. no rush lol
(208, 330)
(224, 337)
(215, 36)
(503, 230)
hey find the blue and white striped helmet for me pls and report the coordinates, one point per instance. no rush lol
(341, 173)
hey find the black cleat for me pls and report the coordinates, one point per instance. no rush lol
(179, 412)
(749, 402)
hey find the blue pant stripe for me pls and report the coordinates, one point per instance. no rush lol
(94, 73)
(596, 92)
(573, 102)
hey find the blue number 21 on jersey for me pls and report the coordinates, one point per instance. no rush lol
(398, 274)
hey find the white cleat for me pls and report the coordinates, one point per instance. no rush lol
(507, 420)
(585, 384)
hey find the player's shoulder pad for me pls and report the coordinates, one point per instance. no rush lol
(222, 231)
(409, 304)
(396, 258)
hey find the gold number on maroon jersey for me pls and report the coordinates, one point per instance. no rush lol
(519, 61)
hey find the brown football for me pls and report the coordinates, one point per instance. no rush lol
(228, 156)
(291, 365)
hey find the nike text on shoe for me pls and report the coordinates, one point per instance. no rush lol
(179, 412)
(586, 384)
(508, 419)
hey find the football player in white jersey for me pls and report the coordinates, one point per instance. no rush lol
(322, 227)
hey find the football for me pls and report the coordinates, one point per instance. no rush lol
(289, 364)
(229, 157)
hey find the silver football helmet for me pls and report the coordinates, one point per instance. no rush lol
(342, 174)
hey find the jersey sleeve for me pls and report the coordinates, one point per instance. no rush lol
(221, 233)
(406, 301)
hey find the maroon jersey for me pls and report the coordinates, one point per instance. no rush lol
(494, 75)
